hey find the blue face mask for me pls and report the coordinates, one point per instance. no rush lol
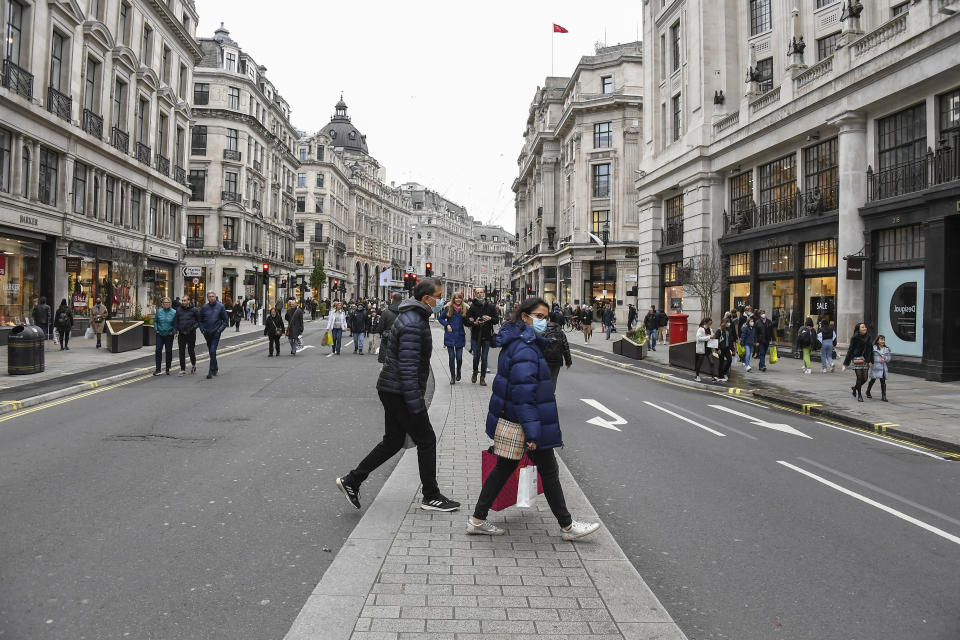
(539, 325)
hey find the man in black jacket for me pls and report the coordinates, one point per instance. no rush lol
(42, 316)
(402, 386)
(482, 317)
(294, 318)
(763, 335)
(185, 324)
(387, 319)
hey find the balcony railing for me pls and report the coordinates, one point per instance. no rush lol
(934, 168)
(59, 104)
(120, 140)
(143, 153)
(17, 79)
(258, 166)
(257, 205)
(801, 204)
(92, 123)
(230, 196)
(180, 174)
(232, 154)
(230, 245)
(163, 165)
(195, 243)
(671, 234)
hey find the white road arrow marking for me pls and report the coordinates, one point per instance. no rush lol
(761, 423)
(603, 422)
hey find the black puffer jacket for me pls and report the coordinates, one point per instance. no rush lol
(187, 319)
(407, 363)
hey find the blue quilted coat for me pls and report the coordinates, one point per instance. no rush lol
(456, 337)
(523, 386)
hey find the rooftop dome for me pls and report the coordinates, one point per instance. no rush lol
(342, 133)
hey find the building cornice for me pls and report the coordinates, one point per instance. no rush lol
(177, 29)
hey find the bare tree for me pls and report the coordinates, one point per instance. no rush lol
(703, 277)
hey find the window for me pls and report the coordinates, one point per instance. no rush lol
(79, 187)
(231, 61)
(201, 93)
(601, 181)
(824, 3)
(165, 64)
(759, 16)
(123, 29)
(135, 208)
(109, 190)
(820, 172)
(49, 167)
(91, 84)
(663, 56)
(778, 180)
(675, 104)
(94, 8)
(318, 204)
(198, 185)
(775, 260)
(320, 153)
(675, 45)
(146, 45)
(301, 179)
(606, 84)
(739, 264)
(233, 98)
(741, 192)
(6, 152)
(230, 182)
(233, 138)
(143, 120)
(827, 45)
(902, 137)
(320, 181)
(152, 222)
(194, 231)
(602, 135)
(301, 204)
(300, 226)
(198, 140)
(298, 257)
(15, 15)
(56, 61)
(820, 254)
(765, 70)
(182, 82)
(673, 221)
(901, 244)
(303, 154)
(317, 231)
(229, 230)
(903, 7)
(949, 106)
(597, 220)
(119, 115)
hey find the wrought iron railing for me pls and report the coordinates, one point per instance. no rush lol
(232, 154)
(195, 243)
(120, 140)
(933, 168)
(801, 204)
(143, 153)
(92, 123)
(163, 164)
(17, 79)
(672, 234)
(230, 245)
(180, 174)
(230, 196)
(59, 104)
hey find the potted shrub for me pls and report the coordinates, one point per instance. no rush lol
(124, 335)
(149, 335)
(634, 344)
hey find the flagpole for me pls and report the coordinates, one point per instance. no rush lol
(553, 46)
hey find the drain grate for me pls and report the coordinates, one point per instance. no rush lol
(164, 439)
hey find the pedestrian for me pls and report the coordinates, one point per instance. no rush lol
(482, 317)
(98, 319)
(703, 351)
(879, 370)
(454, 336)
(724, 350)
(586, 322)
(294, 318)
(763, 334)
(661, 326)
(358, 327)
(186, 323)
(237, 313)
(805, 340)
(827, 337)
(557, 350)
(401, 386)
(631, 317)
(273, 328)
(165, 329)
(42, 316)
(374, 324)
(213, 320)
(63, 322)
(388, 317)
(336, 323)
(651, 323)
(860, 353)
(607, 319)
(747, 337)
(523, 395)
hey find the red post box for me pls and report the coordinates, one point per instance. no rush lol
(678, 327)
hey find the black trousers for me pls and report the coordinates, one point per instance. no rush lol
(548, 469)
(398, 422)
(699, 359)
(274, 344)
(726, 359)
(187, 343)
(164, 347)
(64, 336)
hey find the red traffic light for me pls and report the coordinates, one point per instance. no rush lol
(266, 267)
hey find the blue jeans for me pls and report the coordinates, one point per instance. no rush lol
(293, 345)
(762, 353)
(358, 341)
(652, 335)
(337, 335)
(481, 350)
(213, 339)
(456, 360)
(746, 355)
(826, 354)
(164, 343)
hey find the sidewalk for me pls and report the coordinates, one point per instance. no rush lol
(405, 573)
(927, 411)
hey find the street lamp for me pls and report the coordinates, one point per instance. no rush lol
(606, 238)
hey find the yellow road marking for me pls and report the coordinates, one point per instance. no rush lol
(93, 383)
(810, 405)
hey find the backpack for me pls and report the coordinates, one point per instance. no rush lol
(804, 338)
(63, 318)
(661, 319)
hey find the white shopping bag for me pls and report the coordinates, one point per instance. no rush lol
(527, 486)
(88, 333)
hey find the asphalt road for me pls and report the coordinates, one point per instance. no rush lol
(750, 531)
(175, 508)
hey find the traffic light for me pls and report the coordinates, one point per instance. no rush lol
(428, 269)
(343, 287)
(336, 285)
(266, 268)
(529, 291)
(283, 283)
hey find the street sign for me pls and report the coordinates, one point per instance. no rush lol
(409, 269)
(209, 261)
(195, 281)
(192, 272)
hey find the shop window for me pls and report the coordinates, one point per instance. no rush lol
(19, 280)
(775, 260)
(298, 257)
(672, 287)
(820, 254)
(739, 264)
(820, 173)
(739, 295)
(901, 244)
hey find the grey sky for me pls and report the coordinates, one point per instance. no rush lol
(441, 89)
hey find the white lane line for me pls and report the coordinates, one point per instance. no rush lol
(685, 419)
(761, 423)
(889, 494)
(892, 444)
(712, 421)
(874, 503)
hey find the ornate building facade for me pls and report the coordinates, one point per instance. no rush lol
(491, 257)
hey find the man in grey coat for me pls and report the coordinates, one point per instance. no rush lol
(294, 318)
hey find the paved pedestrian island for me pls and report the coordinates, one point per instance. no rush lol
(406, 573)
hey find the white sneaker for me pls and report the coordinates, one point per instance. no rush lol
(724, 379)
(697, 378)
(579, 530)
(483, 529)
(748, 367)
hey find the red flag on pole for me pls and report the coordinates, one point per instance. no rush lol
(558, 29)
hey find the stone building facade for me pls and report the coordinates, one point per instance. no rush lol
(815, 152)
(240, 219)
(491, 258)
(576, 215)
(94, 119)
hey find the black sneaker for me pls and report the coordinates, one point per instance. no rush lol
(352, 493)
(439, 503)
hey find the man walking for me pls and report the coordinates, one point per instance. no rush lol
(651, 322)
(386, 325)
(607, 318)
(401, 386)
(631, 317)
(763, 334)
(358, 326)
(185, 323)
(213, 320)
(41, 316)
(294, 318)
(164, 325)
(481, 317)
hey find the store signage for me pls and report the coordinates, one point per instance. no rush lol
(854, 268)
(740, 302)
(192, 272)
(629, 277)
(30, 220)
(79, 300)
(823, 306)
(73, 265)
(149, 275)
(903, 311)
(209, 261)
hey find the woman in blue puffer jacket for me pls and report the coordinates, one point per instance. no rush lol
(523, 393)
(454, 337)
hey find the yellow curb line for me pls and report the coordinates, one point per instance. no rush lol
(807, 406)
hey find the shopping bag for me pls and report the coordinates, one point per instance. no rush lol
(740, 350)
(773, 355)
(88, 333)
(527, 486)
(508, 494)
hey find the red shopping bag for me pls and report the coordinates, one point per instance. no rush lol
(508, 495)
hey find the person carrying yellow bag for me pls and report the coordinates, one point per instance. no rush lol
(773, 355)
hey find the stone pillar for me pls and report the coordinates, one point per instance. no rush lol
(34, 184)
(651, 224)
(69, 166)
(852, 159)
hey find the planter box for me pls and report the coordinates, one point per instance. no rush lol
(149, 335)
(124, 335)
(632, 350)
(618, 346)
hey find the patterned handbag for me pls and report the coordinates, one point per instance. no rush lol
(509, 440)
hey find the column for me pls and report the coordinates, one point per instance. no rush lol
(34, 184)
(852, 159)
(16, 159)
(648, 279)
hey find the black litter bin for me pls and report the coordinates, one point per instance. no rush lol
(25, 350)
